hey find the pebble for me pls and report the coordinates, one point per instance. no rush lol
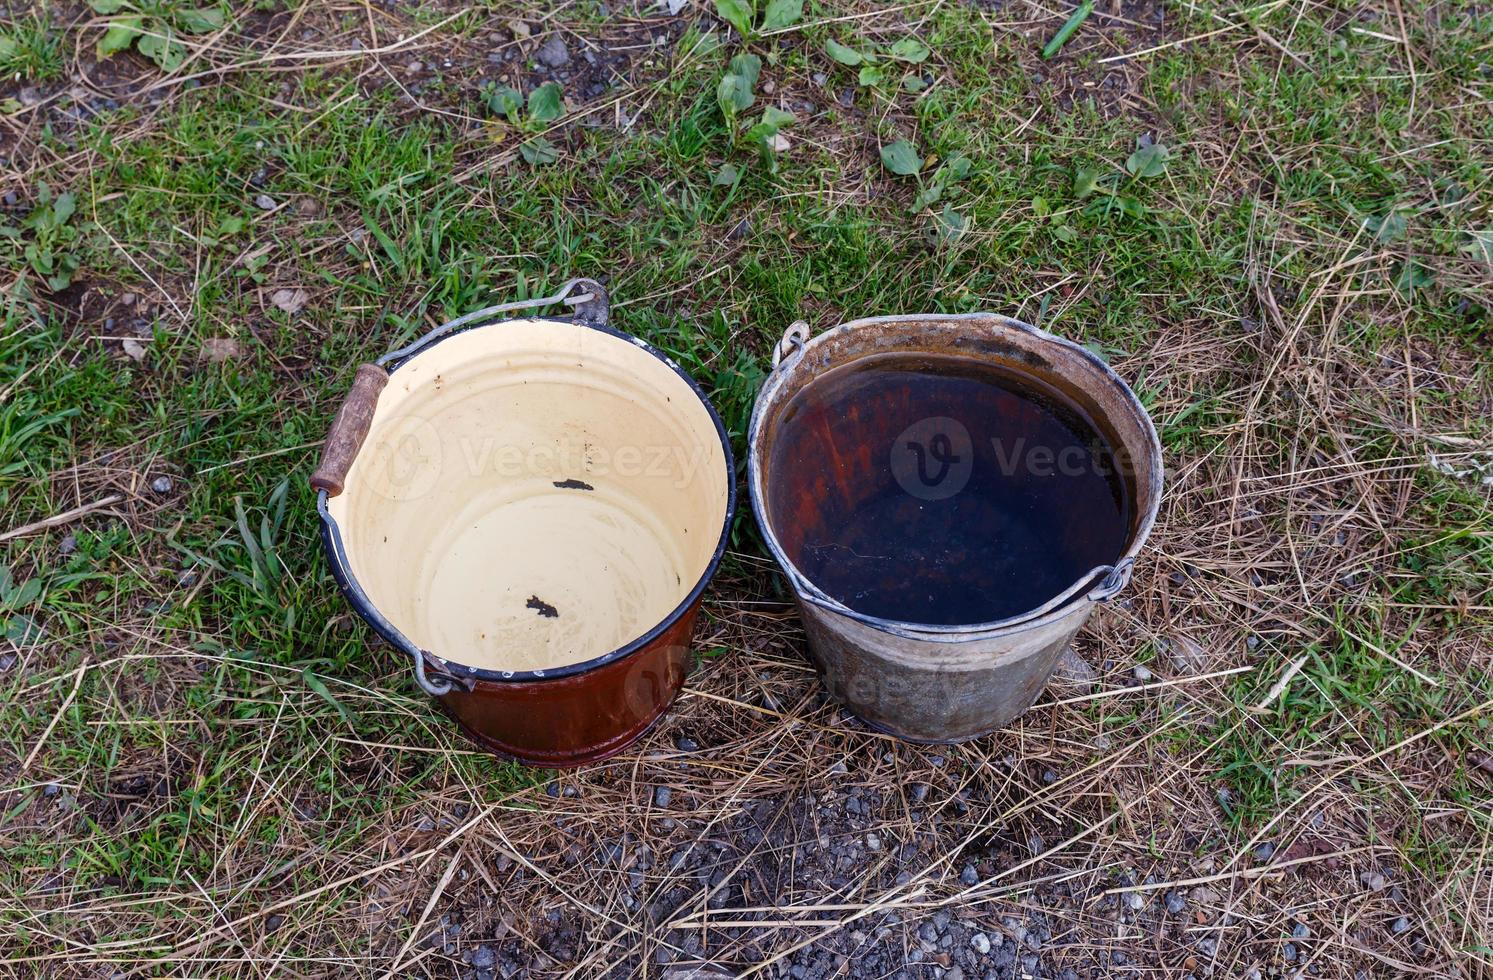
(1142, 673)
(553, 53)
(1074, 671)
(741, 230)
(483, 958)
(264, 202)
(1175, 903)
(970, 876)
(662, 795)
(686, 744)
(161, 484)
(980, 943)
(68, 545)
(873, 842)
(1400, 925)
(1289, 952)
(1265, 851)
(1373, 881)
(1302, 931)
(1134, 901)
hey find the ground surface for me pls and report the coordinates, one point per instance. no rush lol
(1281, 763)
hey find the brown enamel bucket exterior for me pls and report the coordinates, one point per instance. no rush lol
(603, 695)
(930, 683)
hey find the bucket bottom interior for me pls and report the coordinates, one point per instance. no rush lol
(534, 495)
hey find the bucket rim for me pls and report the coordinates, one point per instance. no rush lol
(1098, 584)
(466, 675)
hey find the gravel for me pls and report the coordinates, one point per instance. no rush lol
(1176, 903)
(661, 796)
(264, 202)
(553, 53)
(161, 484)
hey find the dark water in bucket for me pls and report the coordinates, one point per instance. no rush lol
(942, 490)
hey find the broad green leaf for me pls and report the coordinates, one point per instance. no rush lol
(1065, 233)
(843, 54)
(948, 225)
(928, 196)
(775, 117)
(23, 630)
(161, 48)
(737, 13)
(505, 101)
(870, 75)
(201, 20)
(9, 107)
(748, 66)
(63, 208)
(1412, 276)
(913, 84)
(8, 48)
(539, 151)
(901, 158)
(1149, 161)
(108, 6)
(956, 167)
(1085, 182)
(1040, 207)
(1479, 245)
(782, 13)
(726, 176)
(545, 103)
(734, 94)
(909, 49)
(120, 35)
(1390, 228)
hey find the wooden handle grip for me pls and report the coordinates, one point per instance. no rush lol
(349, 429)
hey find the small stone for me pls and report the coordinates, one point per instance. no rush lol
(1302, 931)
(686, 744)
(980, 943)
(1073, 671)
(1373, 881)
(1134, 901)
(216, 350)
(264, 202)
(928, 932)
(273, 922)
(1401, 924)
(1049, 777)
(133, 349)
(1265, 851)
(969, 876)
(553, 53)
(519, 29)
(414, 66)
(819, 78)
(68, 545)
(662, 795)
(919, 792)
(873, 842)
(741, 230)
(161, 484)
(1289, 952)
(1175, 903)
(1143, 673)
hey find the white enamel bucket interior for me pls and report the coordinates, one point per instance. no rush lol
(534, 494)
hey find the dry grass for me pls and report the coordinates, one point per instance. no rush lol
(177, 800)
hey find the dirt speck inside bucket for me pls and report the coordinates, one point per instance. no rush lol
(942, 490)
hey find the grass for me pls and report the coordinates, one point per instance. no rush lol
(203, 730)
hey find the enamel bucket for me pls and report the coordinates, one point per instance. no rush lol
(530, 510)
(924, 682)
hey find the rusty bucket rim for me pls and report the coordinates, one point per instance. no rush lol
(467, 676)
(1102, 583)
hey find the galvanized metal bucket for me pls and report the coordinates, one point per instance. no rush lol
(939, 683)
